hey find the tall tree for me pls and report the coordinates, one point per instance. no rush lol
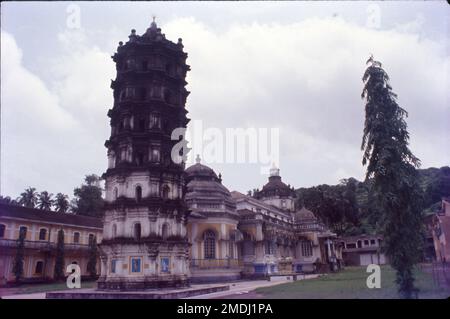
(18, 258)
(45, 201)
(59, 270)
(392, 166)
(88, 197)
(93, 255)
(28, 198)
(62, 203)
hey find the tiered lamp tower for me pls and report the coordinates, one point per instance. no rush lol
(144, 234)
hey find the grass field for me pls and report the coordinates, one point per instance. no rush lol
(34, 288)
(351, 283)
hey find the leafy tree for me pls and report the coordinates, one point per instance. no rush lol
(28, 198)
(59, 270)
(45, 201)
(436, 184)
(392, 166)
(7, 200)
(18, 258)
(93, 255)
(62, 203)
(88, 197)
(335, 205)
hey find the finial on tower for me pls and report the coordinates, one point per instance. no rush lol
(153, 24)
(274, 171)
(197, 159)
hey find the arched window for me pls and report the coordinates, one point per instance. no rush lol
(154, 120)
(231, 245)
(137, 231)
(138, 193)
(155, 154)
(76, 237)
(39, 267)
(165, 231)
(139, 158)
(269, 247)
(42, 234)
(169, 69)
(116, 193)
(129, 64)
(2, 230)
(23, 229)
(142, 94)
(167, 96)
(144, 65)
(114, 230)
(91, 238)
(141, 125)
(307, 250)
(248, 246)
(130, 92)
(209, 244)
(165, 192)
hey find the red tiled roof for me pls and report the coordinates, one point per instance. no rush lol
(49, 216)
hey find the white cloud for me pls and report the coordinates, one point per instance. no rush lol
(304, 77)
(49, 137)
(24, 95)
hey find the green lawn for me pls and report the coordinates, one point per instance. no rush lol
(34, 288)
(351, 283)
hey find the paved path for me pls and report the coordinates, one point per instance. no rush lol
(37, 295)
(241, 288)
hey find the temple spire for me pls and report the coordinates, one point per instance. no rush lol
(153, 24)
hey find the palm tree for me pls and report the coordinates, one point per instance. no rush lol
(28, 198)
(45, 201)
(62, 203)
(7, 200)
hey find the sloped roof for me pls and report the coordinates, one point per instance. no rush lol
(34, 214)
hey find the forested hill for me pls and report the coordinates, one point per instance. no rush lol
(348, 209)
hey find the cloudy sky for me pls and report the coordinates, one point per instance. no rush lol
(296, 66)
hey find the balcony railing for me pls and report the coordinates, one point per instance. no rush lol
(311, 227)
(215, 263)
(41, 245)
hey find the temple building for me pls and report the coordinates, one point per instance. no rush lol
(278, 237)
(239, 236)
(144, 233)
(212, 226)
(165, 226)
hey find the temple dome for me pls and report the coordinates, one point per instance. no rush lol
(275, 186)
(205, 193)
(304, 214)
(199, 170)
